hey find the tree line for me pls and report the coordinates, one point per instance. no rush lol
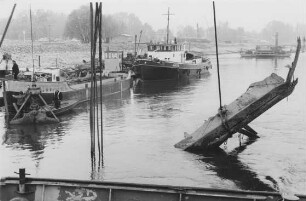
(46, 24)
(50, 25)
(286, 33)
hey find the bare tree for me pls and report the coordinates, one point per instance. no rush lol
(77, 25)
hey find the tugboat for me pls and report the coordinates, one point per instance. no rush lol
(168, 61)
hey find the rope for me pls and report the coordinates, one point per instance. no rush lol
(223, 114)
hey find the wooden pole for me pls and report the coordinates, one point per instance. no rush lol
(100, 61)
(121, 61)
(23, 104)
(216, 41)
(86, 92)
(22, 180)
(135, 45)
(43, 100)
(32, 44)
(91, 81)
(39, 61)
(5, 97)
(296, 57)
(93, 103)
(168, 25)
(97, 33)
(7, 25)
(94, 70)
(139, 40)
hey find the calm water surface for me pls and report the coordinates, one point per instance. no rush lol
(141, 127)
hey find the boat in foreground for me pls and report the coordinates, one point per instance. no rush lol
(75, 89)
(31, 108)
(235, 117)
(41, 189)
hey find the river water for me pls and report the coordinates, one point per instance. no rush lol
(142, 125)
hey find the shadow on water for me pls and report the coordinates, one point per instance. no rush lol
(35, 137)
(228, 166)
(32, 137)
(113, 101)
(159, 87)
(118, 96)
(165, 86)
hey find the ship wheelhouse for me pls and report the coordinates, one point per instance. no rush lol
(167, 52)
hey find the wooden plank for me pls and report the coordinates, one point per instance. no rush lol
(296, 57)
(220, 134)
(5, 97)
(244, 110)
(247, 133)
(23, 104)
(15, 107)
(248, 128)
(46, 105)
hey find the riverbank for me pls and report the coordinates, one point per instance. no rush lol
(65, 54)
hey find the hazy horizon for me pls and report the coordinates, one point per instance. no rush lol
(252, 15)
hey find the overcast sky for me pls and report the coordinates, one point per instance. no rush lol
(250, 14)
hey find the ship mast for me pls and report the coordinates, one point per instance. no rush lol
(168, 24)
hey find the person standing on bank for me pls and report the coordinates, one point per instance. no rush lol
(15, 70)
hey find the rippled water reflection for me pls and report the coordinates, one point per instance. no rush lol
(141, 127)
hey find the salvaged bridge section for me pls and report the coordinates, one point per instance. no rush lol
(236, 116)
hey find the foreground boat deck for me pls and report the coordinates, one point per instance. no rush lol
(52, 189)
